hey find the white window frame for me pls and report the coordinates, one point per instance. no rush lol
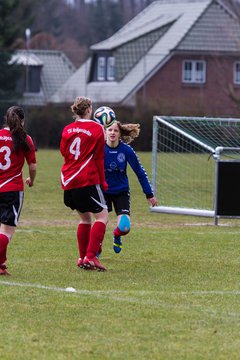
(111, 68)
(194, 75)
(236, 72)
(101, 68)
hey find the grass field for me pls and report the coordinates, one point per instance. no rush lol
(172, 293)
(186, 180)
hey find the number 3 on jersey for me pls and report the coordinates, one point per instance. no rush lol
(6, 153)
(75, 148)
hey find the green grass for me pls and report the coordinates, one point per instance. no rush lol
(172, 293)
(186, 180)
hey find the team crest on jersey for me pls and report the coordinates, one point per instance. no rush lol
(113, 165)
(121, 157)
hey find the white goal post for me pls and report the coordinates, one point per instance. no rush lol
(185, 165)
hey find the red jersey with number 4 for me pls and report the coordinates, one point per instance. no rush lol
(82, 146)
(11, 162)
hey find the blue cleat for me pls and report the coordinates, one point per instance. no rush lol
(117, 244)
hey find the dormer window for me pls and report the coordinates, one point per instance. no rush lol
(111, 68)
(33, 79)
(30, 82)
(105, 68)
(101, 68)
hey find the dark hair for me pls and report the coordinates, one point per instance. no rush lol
(14, 120)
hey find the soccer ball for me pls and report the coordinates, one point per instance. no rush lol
(105, 116)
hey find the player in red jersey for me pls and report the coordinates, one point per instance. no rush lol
(15, 147)
(83, 179)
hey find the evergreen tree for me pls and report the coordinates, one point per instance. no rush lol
(16, 16)
(9, 74)
(50, 17)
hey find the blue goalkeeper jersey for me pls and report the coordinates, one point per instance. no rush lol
(115, 164)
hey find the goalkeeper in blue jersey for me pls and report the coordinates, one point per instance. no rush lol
(117, 155)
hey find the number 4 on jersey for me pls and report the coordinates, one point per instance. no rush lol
(75, 148)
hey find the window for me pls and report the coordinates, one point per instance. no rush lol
(111, 68)
(194, 71)
(34, 82)
(105, 68)
(236, 72)
(30, 80)
(101, 66)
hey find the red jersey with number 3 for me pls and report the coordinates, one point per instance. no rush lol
(11, 162)
(82, 146)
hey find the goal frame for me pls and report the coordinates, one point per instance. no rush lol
(216, 153)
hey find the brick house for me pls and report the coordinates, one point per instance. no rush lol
(178, 57)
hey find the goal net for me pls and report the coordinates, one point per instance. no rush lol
(185, 152)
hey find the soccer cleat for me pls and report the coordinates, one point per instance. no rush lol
(80, 263)
(93, 264)
(3, 270)
(117, 244)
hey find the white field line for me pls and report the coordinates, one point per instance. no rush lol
(112, 294)
(104, 293)
(115, 295)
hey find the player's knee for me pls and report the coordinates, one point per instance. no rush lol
(124, 224)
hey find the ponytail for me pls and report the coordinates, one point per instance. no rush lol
(129, 132)
(14, 120)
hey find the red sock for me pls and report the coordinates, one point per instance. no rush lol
(96, 238)
(4, 240)
(83, 232)
(118, 232)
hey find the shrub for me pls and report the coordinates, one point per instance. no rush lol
(45, 125)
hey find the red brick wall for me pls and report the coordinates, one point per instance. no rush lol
(168, 95)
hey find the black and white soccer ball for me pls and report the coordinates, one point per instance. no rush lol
(105, 116)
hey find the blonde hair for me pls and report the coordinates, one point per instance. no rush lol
(80, 105)
(128, 132)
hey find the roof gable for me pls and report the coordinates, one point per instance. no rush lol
(216, 30)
